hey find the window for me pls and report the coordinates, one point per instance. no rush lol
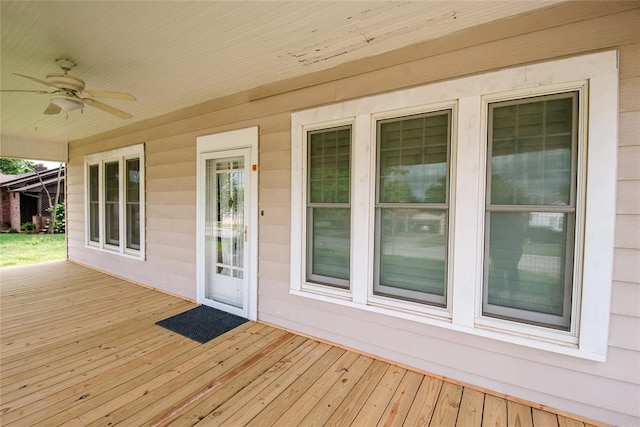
(531, 209)
(111, 203)
(132, 186)
(328, 209)
(411, 216)
(115, 201)
(483, 205)
(94, 204)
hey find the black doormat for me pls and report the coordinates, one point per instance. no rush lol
(202, 323)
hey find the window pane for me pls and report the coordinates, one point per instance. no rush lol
(329, 162)
(94, 204)
(111, 211)
(133, 180)
(412, 254)
(531, 153)
(412, 214)
(528, 262)
(330, 245)
(328, 212)
(529, 251)
(133, 203)
(413, 156)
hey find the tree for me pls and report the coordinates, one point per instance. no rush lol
(16, 166)
(53, 202)
(437, 193)
(20, 166)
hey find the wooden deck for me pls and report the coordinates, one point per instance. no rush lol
(79, 347)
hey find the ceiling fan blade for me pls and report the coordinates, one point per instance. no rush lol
(112, 95)
(26, 91)
(107, 108)
(37, 80)
(52, 109)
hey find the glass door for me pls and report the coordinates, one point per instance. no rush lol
(225, 284)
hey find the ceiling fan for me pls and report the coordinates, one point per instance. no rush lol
(69, 93)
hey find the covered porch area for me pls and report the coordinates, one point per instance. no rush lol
(79, 347)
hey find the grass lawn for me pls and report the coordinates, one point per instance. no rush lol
(21, 249)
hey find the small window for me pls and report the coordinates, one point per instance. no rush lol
(133, 203)
(114, 200)
(94, 204)
(111, 203)
(531, 210)
(328, 207)
(412, 207)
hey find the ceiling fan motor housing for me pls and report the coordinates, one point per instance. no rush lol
(66, 81)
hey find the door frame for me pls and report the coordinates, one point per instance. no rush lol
(206, 145)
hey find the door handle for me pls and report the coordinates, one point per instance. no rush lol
(245, 233)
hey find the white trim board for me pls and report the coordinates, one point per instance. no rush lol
(220, 142)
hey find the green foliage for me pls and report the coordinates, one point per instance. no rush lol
(60, 220)
(22, 249)
(40, 239)
(27, 226)
(16, 166)
(437, 193)
(396, 191)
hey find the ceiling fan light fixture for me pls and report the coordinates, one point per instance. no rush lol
(66, 103)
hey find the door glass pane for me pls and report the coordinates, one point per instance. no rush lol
(225, 231)
(94, 204)
(111, 200)
(133, 203)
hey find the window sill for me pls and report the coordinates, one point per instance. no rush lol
(116, 251)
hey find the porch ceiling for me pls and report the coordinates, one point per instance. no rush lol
(176, 54)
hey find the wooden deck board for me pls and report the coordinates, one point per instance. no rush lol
(92, 355)
(421, 411)
(544, 419)
(274, 409)
(271, 383)
(334, 397)
(471, 407)
(374, 407)
(519, 415)
(296, 412)
(448, 405)
(401, 402)
(495, 412)
(353, 402)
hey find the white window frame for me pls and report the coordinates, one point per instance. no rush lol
(451, 109)
(337, 292)
(99, 159)
(341, 284)
(596, 76)
(582, 88)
